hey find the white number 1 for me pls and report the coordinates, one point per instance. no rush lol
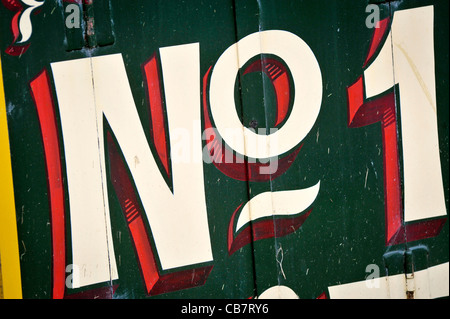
(406, 59)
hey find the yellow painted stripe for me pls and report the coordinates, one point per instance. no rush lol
(9, 247)
(1, 284)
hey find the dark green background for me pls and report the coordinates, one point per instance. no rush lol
(345, 231)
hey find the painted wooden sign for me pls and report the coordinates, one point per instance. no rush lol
(224, 149)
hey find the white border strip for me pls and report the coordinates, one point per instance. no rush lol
(429, 283)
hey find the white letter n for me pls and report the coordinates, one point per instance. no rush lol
(92, 88)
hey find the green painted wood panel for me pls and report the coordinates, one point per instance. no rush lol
(341, 241)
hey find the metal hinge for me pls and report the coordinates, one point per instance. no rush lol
(88, 24)
(406, 261)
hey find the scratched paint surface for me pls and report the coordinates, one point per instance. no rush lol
(354, 226)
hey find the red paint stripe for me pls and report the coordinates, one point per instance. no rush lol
(129, 208)
(392, 187)
(280, 82)
(125, 193)
(278, 75)
(155, 282)
(262, 229)
(269, 66)
(355, 96)
(132, 217)
(40, 90)
(275, 75)
(382, 109)
(181, 280)
(12, 4)
(97, 293)
(323, 295)
(159, 133)
(15, 49)
(235, 166)
(230, 240)
(15, 26)
(417, 230)
(378, 35)
(144, 251)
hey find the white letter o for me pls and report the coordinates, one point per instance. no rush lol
(307, 80)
